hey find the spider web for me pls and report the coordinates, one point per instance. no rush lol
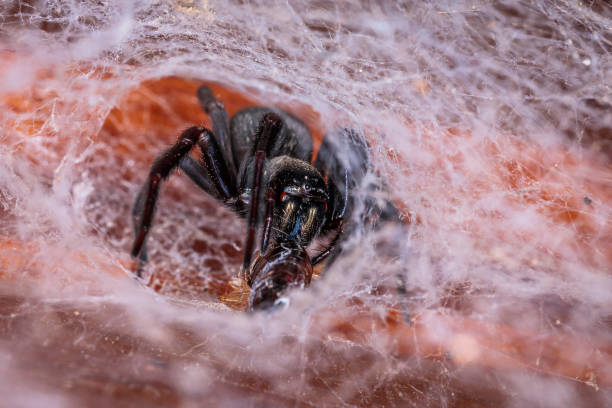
(490, 122)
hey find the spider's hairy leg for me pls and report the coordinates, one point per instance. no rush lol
(220, 123)
(402, 293)
(211, 173)
(343, 158)
(269, 214)
(270, 126)
(380, 212)
(214, 181)
(335, 225)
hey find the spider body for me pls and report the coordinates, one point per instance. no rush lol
(260, 165)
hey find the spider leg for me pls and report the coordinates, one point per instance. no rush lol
(216, 184)
(211, 174)
(344, 159)
(321, 256)
(269, 128)
(403, 296)
(220, 123)
(216, 167)
(197, 172)
(265, 235)
(380, 211)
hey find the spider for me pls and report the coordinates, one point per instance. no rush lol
(260, 165)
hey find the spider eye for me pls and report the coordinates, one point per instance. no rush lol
(283, 196)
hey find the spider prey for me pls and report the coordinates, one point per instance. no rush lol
(259, 165)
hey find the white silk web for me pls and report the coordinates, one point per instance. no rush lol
(490, 122)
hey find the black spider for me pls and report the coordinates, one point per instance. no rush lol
(259, 165)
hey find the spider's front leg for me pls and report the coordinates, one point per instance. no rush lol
(212, 176)
(220, 124)
(269, 129)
